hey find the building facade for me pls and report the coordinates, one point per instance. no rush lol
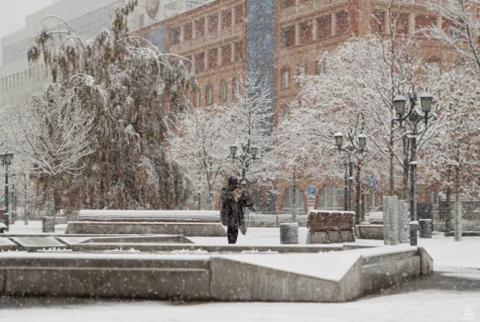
(18, 78)
(225, 39)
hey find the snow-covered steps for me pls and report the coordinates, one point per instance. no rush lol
(318, 277)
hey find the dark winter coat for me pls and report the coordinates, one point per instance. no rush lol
(233, 203)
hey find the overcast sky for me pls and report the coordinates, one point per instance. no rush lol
(13, 12)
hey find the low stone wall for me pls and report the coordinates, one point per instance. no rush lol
(369, 231)
(169, 228)
(204, 278)
(211, 216)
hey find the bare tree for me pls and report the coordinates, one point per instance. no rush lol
(58, 135)
(200, 146)
(456, 145)
(460, 28)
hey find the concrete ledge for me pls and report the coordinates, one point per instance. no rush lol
(464, 233)
(155, 247)
(329, 277)
(213, 216)
(370, 231)
(174, 239)
(104, 276)
(178, 228)
(6, 244)
(32, 244)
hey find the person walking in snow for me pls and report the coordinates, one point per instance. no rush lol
(234, 200)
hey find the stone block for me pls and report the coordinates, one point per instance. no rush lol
(289, 233)
(390, 220)
(425, 228)
(370, 231)
(48, 224)
(330, 226)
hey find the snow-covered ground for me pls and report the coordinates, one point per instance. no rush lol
(420, 306)
(451, 294)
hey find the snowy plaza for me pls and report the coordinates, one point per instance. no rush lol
(451, 294)
(239, 160)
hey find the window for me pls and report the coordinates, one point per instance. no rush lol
(226, 54)
(306, 32)
(285, 77)
(301, 71)
(238, 51)
(239, 14)
(141, 21)
(209, 95)
(324, 27)
(213, 23)
(343, 26)
(197, 95)
(187, 31)
(401, 22)
(188, 63)
(175, 35)
(222, 91)
(213, 58)
(235, 86)
(200, 62)
(200, 27)
(226, 18)
(288, 36)
(287, 3)
(422, 22)
(321, 67)
(378, 21)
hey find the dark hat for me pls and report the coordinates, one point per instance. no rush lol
(232, 180)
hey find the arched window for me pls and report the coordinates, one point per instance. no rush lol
(330, 198)
(285, 77)
(209, 95)
(293, 197)
(197, 95)
(235, 87)
(222, 91)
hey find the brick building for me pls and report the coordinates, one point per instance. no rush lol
(225, 39)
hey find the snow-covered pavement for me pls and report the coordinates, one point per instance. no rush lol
(451, 294)
(421, 306)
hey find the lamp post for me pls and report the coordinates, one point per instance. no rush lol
(6, 159)
(249, 154)
(355, 144)
(413, 118)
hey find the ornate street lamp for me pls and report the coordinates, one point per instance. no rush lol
(356, 144)
(249, 154)
(413, 117)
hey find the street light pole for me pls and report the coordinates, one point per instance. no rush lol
(413, 118)
(6, 159)
(356, 145)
